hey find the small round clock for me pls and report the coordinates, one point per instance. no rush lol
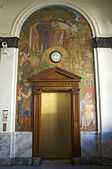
(55, 56)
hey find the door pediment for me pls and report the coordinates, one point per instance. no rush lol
(55, 74)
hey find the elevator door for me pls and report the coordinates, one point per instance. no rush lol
(55, 129)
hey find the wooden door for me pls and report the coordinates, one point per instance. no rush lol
(55, 126)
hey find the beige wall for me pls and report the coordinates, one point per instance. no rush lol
(99, 12)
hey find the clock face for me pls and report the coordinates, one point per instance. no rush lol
(55, 56)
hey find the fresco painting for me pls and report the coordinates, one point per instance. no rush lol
(67, 31)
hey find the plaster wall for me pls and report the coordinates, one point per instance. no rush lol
(7, 81)
(99, 11)
(105, 75)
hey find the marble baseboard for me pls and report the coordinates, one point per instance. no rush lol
(107, 144)
(23, 145)
(96, 161)
(6, 162)
(92, 145)
(36, 162)
(20, 162)
(4, 145)
(89, 144)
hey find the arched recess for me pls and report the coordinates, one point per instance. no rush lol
(25, 15)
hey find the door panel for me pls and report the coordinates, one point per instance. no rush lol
(55, 128)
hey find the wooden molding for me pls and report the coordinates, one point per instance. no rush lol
(44, 81)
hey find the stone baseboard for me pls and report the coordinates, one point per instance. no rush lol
(102, 161)
(16, 161)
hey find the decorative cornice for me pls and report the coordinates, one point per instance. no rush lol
(102, 42)
(12, 42)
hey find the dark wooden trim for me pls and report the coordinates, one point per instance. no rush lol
(102, 42)
(54, 89)
(36, 124)
(97, 42)
(12, 42)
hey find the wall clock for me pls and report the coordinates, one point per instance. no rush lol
(55, 56)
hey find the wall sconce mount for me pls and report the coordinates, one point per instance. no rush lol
(4, 48)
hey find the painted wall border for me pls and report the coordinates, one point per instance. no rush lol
(97, 42)
(102, 42)
(12, 42)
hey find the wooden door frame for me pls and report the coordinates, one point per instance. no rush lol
(56, 80)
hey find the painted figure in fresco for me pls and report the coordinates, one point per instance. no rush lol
(25, 66)
(56, 34)
(87, 112)
(50, 32)
(24, 92)
(24, 102)
(43, 30)
(34, 38)
(61, 32)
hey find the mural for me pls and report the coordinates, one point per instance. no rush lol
(67, 31)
